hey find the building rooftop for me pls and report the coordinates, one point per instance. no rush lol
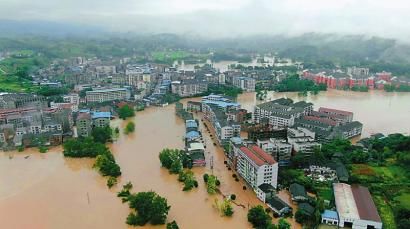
(106, 90)
(330, 110)
(196, 146)
(257, 155)
(266, 188)
(101, 115)
(345, 202)
(277, 203)
(306, 208)
(302, 104)
(83, 116)
(328, 214)
(297, 190)
(192, 134)
(191, 124)
(365, 205)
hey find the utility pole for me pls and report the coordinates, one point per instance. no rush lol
(212, 164)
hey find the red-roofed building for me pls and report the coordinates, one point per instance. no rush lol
(257, 168)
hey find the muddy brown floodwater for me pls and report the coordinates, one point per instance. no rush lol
(49, 191)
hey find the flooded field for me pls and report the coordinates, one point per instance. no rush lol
(50, 191)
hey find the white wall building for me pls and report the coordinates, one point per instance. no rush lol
(257, 167)
(105, 95)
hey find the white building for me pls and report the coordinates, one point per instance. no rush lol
(187, 88)
(257, 167)
(244, 83)
(72, 98)
(279, 149)
(278, 115)
(222, 78)
(355, 207)
(105, 95)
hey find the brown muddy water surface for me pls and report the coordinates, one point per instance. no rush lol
(50, 191)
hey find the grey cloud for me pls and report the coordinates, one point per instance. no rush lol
(219, 18)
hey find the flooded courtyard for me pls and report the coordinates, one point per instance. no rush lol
(50, 191)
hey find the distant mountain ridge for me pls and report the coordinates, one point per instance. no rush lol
(309, 47)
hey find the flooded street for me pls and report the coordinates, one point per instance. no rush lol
(49, 191)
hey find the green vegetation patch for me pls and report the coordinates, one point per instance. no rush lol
(385, 212)
(404, 200)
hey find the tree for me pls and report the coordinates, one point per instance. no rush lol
(172, 225)
(211, 184)
(301, 217)
(111, 181)
(42, 149)
(129, 128)
(84, 147)
(189, 180)
(125, 112)
(258, 217)
(176, 167)
(150, 207)
(283, 224)
(227, 208)
(174, 160)
(102, 134)
(107, 166)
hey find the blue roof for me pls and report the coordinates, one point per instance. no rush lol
(328, 214)
(191, 124)
(192, 134)
(236, 140)
(84, 111)
(101, 115)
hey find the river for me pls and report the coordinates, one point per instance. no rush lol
(49, 191)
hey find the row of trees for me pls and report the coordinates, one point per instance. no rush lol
(401, 88)
(294, 84)
(175, 161)
(95, 147)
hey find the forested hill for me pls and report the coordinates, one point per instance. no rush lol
(315, 50)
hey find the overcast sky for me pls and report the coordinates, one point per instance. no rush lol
(387, 18)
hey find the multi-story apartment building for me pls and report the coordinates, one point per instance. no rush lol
(215, 109)
(22, 100)
(356, 71)
(84, 123)
(244, 83)
(72, 98)
(339, 115)
(187, 88)
(279, 115)
(280, 150)
(110, 94)
(101, 119)
(257, 168)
